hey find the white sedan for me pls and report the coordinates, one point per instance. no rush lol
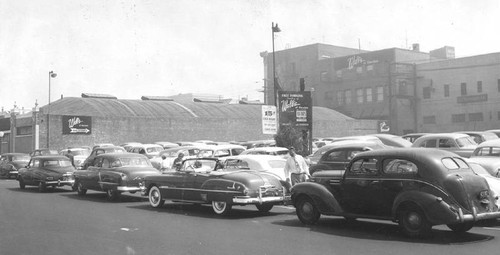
(273, 165)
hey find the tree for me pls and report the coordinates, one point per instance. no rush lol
(287, 137)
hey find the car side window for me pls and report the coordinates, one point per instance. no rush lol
(399, 166)
(429, 143)
(446, 143)
(222, 153)
(365, 166)
(35, 163)
(99, 152)
(105, 163)
(97, 162)
(336, 156)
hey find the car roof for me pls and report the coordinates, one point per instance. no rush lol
(14, 154)
(121, 155)
(257, 157)
(493, 142)
(418, 153)
(442, 135)
(271, 149)
(48, 157)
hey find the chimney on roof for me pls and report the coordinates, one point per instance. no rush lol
(416, 47)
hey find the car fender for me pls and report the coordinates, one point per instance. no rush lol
(324, 200)
(109, 179)
(221, 190)
(436, 209)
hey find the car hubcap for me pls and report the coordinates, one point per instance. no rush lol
(307, 209)
(155, 197)
(219, 205)
(414, 220)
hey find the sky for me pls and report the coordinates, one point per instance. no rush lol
(134, 48)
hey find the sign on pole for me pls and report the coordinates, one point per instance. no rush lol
(295, 111)
(269, 120)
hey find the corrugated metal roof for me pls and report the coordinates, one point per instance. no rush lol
(167, 109)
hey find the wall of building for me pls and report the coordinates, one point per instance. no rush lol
(457, 112)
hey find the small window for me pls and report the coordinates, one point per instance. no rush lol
(399, 166)
(456, 118)
(426, 92)
(359, 96)
(380, 93)
(454, 163)
(446, 89)
(446, 143)
(336, 156)
(429, 119)
(463, 88)
(105, 163)
(478, 116)
(364, 167)
(479, 87)
(348, 96)
(429, 143)
(36, 163)
(369, 96)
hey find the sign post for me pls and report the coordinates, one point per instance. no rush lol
(295, 111)
(269, 120)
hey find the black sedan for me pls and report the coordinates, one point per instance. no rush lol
(206, 181)
(47, 171)
(10, 163)
(114, 173)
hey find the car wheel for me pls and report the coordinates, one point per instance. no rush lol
(221, 208)
(306, 211)
(461, 227)
(79, 189)
(264, 207)
(112, 194)
(413, 222)
(22, 185)
(155, 198)
(42, 187)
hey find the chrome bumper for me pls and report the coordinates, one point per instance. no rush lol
(476, 217)
(261, 199)
(128, 189)
(60, 183)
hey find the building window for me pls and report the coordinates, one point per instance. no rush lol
(478, 116)
(430, 119)
(446, 88)
(426, 92)
(456, 118)
(340, 98)
(403, 88)
(348, 96)
(359, 96)
(323, 76)
(463, 88)
(369, 95)
(498, 85)
(24, 130)
(479, 87)
(380, 93)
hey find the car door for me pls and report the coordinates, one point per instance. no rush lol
(360, 185)
(28, 172)
(90, 177)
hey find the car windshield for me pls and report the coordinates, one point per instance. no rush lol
(57, 163)
(48, 152)
(198, 165)
(21, 158)
(154, 149)
(111, 150)
(80, 153)
(487, 151)
(132, 161)
(465, 141)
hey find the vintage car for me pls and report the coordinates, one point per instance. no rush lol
(114, 173)
(261, 163)
(275, 151)
(487, 154)
(459, 143)
(480, 136)
(417, 188)
(220, 151)
(47, 171)
(171, 154)
(338, 157)
(493, 182)
(393, 140)
(43, 152)
(148, 150)
(10, 163)
(411, 137)
(101, 150)
(79, 155)
(205, 181)
(314, 158)
(166, 145)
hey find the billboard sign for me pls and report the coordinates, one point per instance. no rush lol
(76, 125)
(269, 120)
(295, 109)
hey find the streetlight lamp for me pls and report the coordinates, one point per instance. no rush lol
(51, 75)
(275, 29)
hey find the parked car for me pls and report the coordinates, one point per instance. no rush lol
(148, 150)
(79, 155)
(219, 151)
(10, 163)
(261, 163)
(315, 158)
(274, 151)
(480, 136)
(338, 157)
(393, 140)
(167, 145)
(411, 137)
(496, 131)
(129, 145)
(493, 182)
(47, 171)
(461, 144)
(171, 154)
(43, 152)
(487, 154)
(101, 150)
(417, 188)
(97, 145)
(114, 173)
(203, 181)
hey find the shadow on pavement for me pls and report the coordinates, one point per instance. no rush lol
(386, 231)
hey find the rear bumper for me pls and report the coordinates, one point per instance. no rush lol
(128, 189)
(477, 216)
(60, 183)
(260, 199)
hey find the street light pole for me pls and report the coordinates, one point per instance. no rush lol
(51, 75)
(274, 29)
